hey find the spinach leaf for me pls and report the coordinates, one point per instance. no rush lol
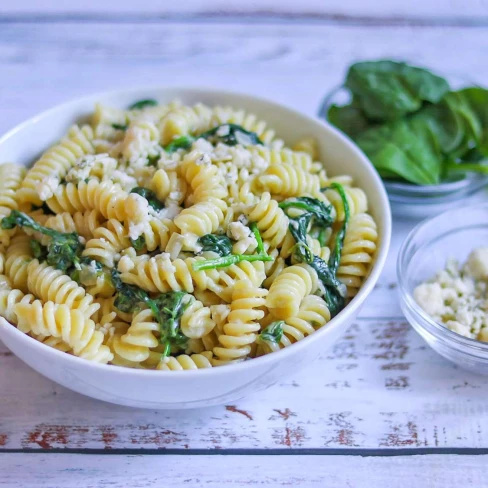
(318, 214)
(153, 160)
(64, 249)
(335, 256)
(44, 207)
(38, 250)
(228, 259)
(139, 243)
(388, 90)
(231, 134)
(477, 99)
(167, 309)
(183, 142)
(141, 104)
(272, 333)
(348, 119)
(122, 127)
(422, 147)
(150, 196)
(219, 244)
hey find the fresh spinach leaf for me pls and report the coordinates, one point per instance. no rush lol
(38, 250)
(388, 90)
(336, 253)
(122, 127)
(219, 244)
(141, 104)
(150, 196)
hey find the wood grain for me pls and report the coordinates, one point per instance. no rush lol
(90, 471)
(380, 386)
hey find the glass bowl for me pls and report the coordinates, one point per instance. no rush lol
(415, 201)
(454, 233)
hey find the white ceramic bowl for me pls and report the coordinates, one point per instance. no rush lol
(199, 388)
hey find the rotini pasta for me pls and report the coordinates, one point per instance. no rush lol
(173, 237)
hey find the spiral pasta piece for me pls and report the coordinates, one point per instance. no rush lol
(239, 332)
(185, 362)
(105, 197)
(45, 175)
(288, 181)
(135, 344)
(356, 198)
(168, 185)
(201, 218)
(50, 284)
(84, 223)
(17, 259)
(11, 176)
(9, 298)
(312, 315)
(301, 160)
(289, 288)
(107, 243)
(358, 252)
(205, 180)
(270, 220)
(72, 326)
(196, 321)
(184, 120)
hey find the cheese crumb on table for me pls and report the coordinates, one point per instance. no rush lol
(457, 297)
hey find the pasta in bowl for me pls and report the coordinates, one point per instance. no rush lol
(182, 235)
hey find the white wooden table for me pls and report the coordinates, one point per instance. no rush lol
(380, 409)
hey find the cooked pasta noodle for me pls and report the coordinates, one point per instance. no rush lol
(174, 237)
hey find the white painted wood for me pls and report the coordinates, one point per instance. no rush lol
(89, 471)
(338, 8)
(380, 386)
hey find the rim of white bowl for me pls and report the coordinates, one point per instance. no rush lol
(364, 291)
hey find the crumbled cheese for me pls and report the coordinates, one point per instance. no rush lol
(202, 145)
(171, 210)
(238, 231)
(126, 182)
(477, 264)
(91, 165)
(46, 188)
(138, 215)
(190, 243)
(223, 130)
(457, 296)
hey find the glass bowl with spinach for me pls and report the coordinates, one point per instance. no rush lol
(426, 134)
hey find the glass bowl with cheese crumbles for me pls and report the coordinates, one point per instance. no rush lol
(443, 282)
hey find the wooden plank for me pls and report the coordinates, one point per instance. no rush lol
(380, 386)
(70, 471)
(317, 8)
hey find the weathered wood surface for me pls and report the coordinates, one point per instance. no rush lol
(457, 10)
(90, 471)
(380, 386)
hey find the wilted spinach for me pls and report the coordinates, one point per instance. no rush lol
(141, 104)
(272, 333)
(64, 249)
(167, 309)
(219, 244)
(150, 196)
